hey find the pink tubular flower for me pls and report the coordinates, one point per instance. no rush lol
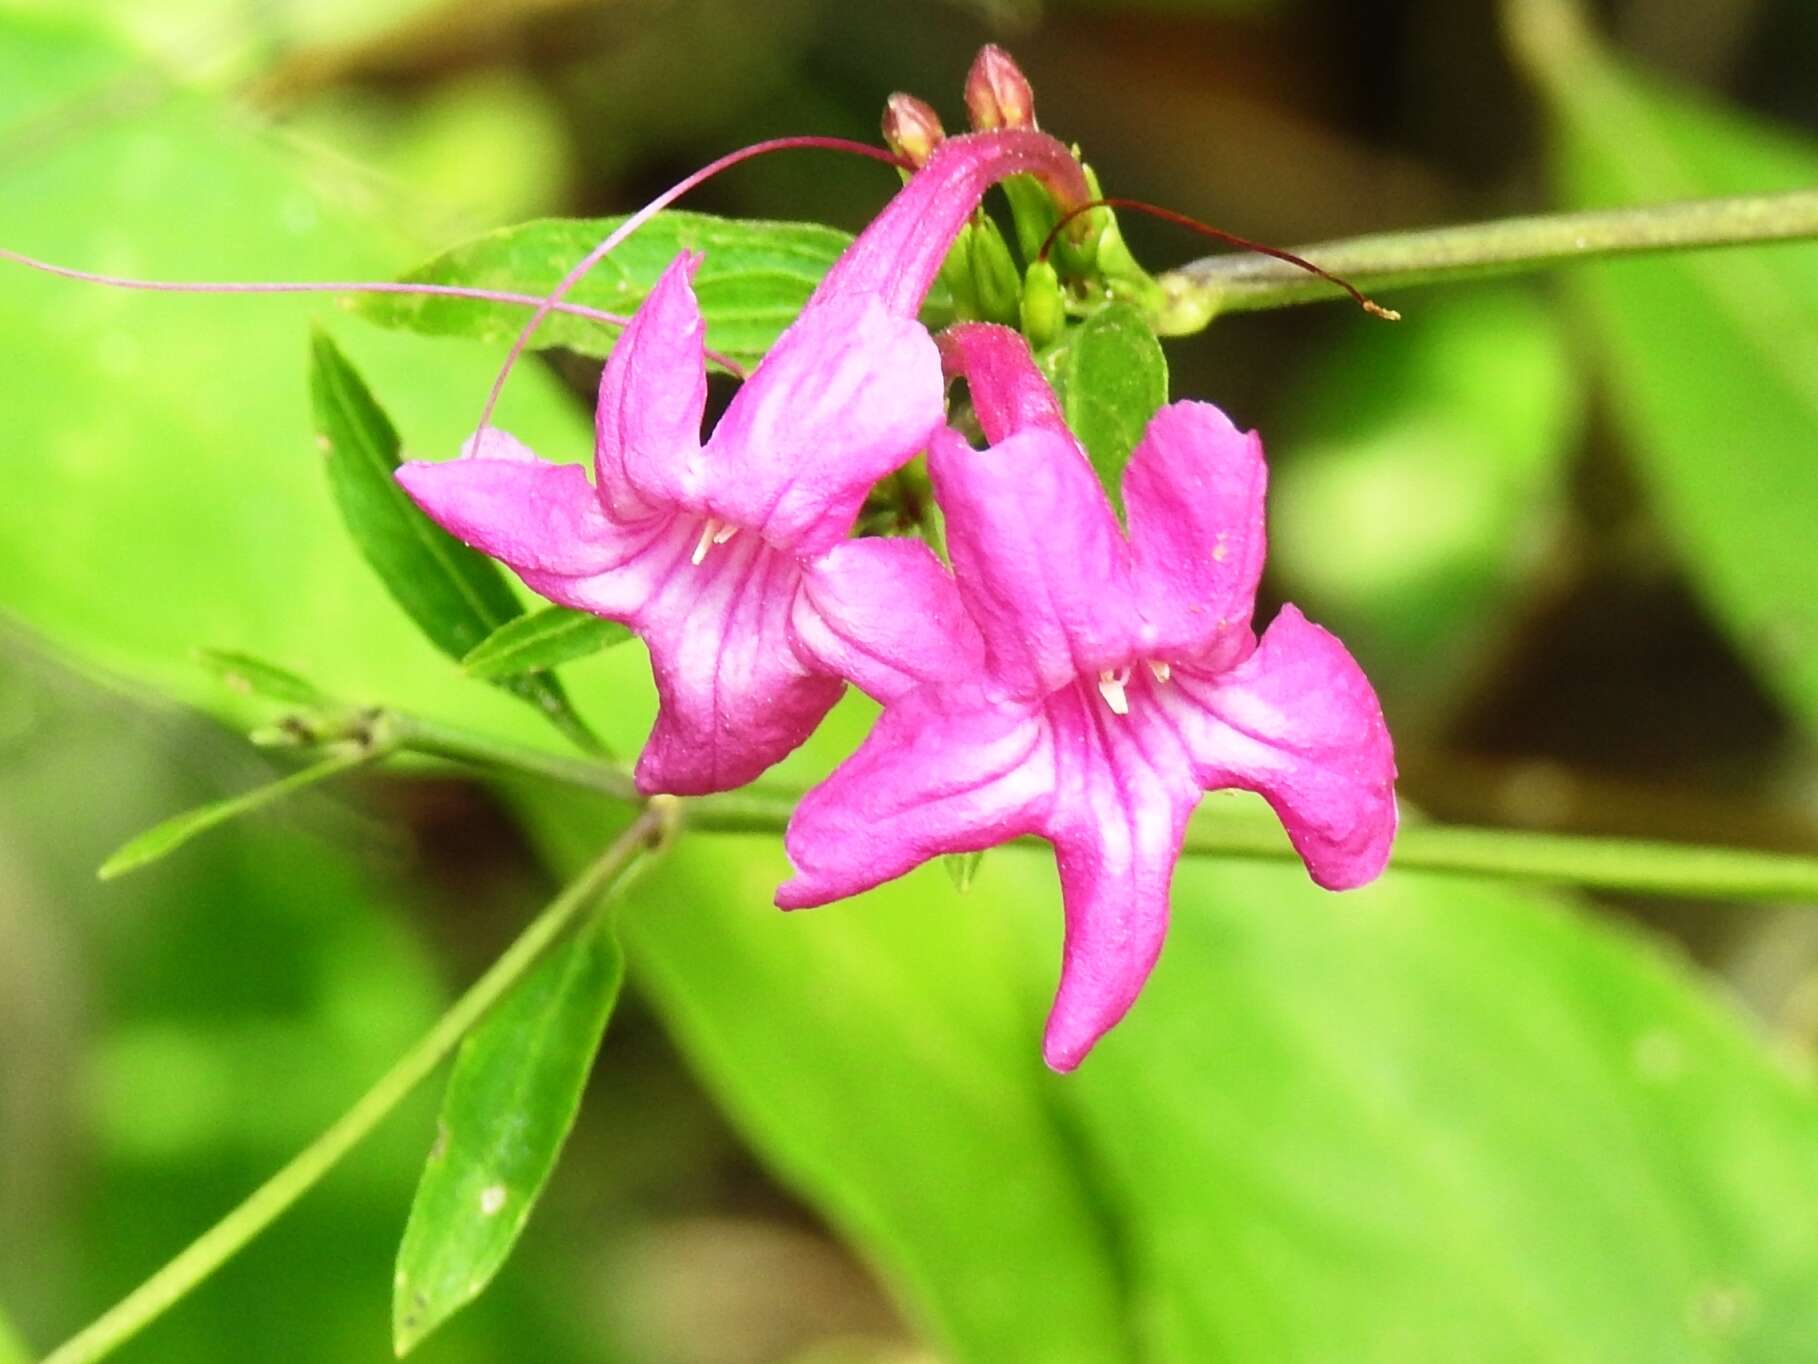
(705, 548)
(1105, 682)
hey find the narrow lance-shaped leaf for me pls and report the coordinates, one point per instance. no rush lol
(244, 673)
(1114, 379)
(511, 1101)
(544, 639)
(166, 837)
(457, 597)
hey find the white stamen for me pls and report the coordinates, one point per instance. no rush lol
(1111, 687)
(1161, 670)
(712, 533)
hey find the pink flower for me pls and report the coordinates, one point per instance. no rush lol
(1105, 683)
(702, 547)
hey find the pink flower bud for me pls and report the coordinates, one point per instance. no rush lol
(911, 129)
(997, 91)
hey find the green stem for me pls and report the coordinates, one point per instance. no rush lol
(216, 1245)
(1195, 294)
(478, 750)
(1636, 866)
(1616, 864)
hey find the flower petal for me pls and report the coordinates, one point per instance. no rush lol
(944, 770)
(1008, 392)
(885, 615)
(653, 392)
(1038, 557)
(543, 521)
(734, 696)
(846, 395)
(1123, 791)
(1298, 722)
(896, 258)
(1193, 491)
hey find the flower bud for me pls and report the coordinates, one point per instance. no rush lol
(997, 92)
(1044, 309)
(911, 129)
(994, 278)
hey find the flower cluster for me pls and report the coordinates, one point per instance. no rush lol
(1058, 677)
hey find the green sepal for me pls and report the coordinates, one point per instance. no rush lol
(1044, 306)
(994, 277)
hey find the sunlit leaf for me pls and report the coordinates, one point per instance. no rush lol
(164, 838)
(1115, 379)
(183, 509)
(12, 1348)
(754, 280)
(1442, 1120)
(511, 1100)
(542, 640)
(1437, 1119)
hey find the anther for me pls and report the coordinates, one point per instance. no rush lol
(1111, 687)
(713, 532)
(1161, 670)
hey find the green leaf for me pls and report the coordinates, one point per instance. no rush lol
(754, 280)
(544, 639)
(885, 1066)
(244, 673)
(511, 1101)
(456, 595)
(1445, 1120)
(1116, 378)
(180, 509)
(166, 837)
(1712, 356)
(1435, 1119)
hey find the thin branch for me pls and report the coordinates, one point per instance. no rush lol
(271, 1199)
(1195, 294)
(1634, 866)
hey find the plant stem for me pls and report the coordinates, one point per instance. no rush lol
(266, 1203)
(1637, 866)
(478, 750)
(1197, 293)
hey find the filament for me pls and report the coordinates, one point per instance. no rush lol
(165, 286)
(1218, 234)
(649, 211)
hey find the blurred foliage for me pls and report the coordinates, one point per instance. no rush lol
(1434, 1120)
(1427, 482)
(1713, 359)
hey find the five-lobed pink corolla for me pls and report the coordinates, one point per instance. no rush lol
(1098, 683)
(724, 555)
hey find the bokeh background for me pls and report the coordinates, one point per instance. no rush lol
(1567, 523)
